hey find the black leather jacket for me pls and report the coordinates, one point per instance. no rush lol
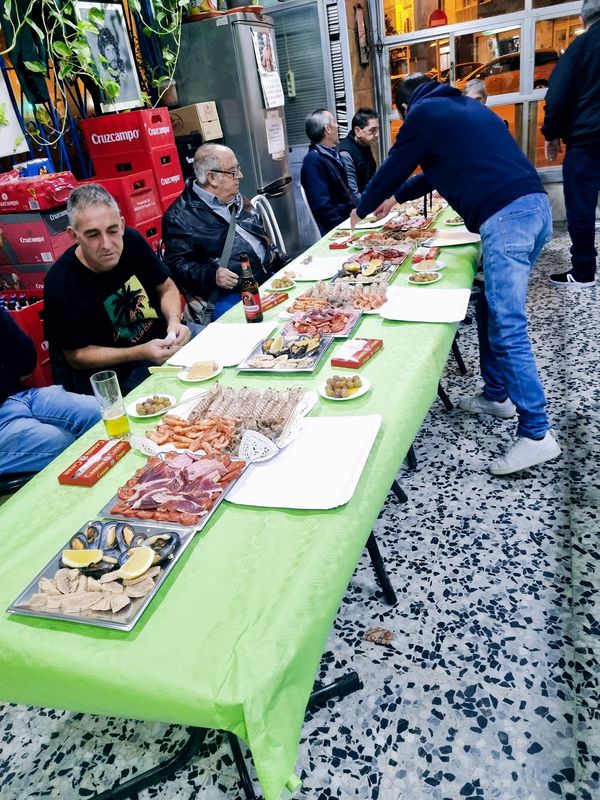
(194, 238)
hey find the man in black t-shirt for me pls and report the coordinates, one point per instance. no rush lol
(108, 301)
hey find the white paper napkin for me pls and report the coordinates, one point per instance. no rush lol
(319, 470)
(424, 304)
(320, 268)
(225, 343)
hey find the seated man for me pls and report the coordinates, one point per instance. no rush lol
(195, 230)
(323, 175)
(355, 150)
(476, 89)
(35, 424)
(109, 300)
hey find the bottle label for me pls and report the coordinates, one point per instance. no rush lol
(251, 302)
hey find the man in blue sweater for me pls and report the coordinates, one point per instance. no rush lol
(35, 424)
(466, 153)
(323, 175)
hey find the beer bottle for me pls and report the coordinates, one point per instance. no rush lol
(250, 295)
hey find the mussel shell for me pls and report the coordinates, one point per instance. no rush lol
(108, 536)
(125, 535)
(138, 540)
(164, 545)
(266, 345)
(95, 570)
(111, 556)
(92, 533)
(79, 542)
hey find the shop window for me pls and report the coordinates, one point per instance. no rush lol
(497, 58)
(536, 153)
(556, 34)
(402, 16)
(431, 57)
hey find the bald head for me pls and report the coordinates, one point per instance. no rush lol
(217, 171)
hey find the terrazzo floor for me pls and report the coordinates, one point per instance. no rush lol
(490, 688)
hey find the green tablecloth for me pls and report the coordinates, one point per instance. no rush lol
(234, 638)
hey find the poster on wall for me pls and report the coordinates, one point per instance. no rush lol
(111, 50)
(266, 61)
(12, 139)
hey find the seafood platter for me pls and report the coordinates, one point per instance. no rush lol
(281, 353)
(106, 575)
(181, 489)
(363, 298)
(338, 322)
(222, 415)
(382, 239)
(423, 253)
(372, 266)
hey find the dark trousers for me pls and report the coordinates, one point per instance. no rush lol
(581, 184)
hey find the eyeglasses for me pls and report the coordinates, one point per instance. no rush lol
(236, 172)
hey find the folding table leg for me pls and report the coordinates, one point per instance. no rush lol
(444, 398)
(379, 567)
(399, 492)
(411, 458)
(240, 763)
(458, 358)
(160, 772)
(340, 688)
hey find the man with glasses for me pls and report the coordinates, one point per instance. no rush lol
(195, 230)
(355, 150)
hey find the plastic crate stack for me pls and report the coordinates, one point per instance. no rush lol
(135, 158)
(26, 307)
(33, 227)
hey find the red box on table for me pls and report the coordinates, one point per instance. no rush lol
(38, 193)
(91, 475)
(141, 130)
(356, 352)
(31, 320)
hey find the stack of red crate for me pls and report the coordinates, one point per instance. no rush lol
(124, 145)
(33, 226)
(31, 320)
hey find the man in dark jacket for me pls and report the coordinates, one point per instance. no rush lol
(35, 424)
(323, 176)
(195, 230)
(355, 150)
(467, 154)
(573, 115)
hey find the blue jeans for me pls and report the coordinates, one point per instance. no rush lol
(511, 241)
(38, 424)
(581, 184)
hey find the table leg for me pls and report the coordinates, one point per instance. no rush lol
(411, 460)
(444, 398)
(379, 567)
(159, 773)
(399, 491)
(458, 357)
(240, 763)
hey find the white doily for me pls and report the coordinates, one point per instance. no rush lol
(256, 447)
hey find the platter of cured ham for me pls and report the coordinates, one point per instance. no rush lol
(181, 489)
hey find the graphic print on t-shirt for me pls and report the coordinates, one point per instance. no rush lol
(130, 311)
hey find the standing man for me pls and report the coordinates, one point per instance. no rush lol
(109, 302)
(573, 116)
(479, 168)
(323, 176)
(355, 150)
(195, 232)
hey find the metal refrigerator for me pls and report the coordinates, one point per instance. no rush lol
(217, 62)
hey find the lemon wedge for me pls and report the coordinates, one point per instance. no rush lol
(140, 561)
(81, 558)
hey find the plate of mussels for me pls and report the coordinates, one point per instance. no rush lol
(281, 353)
(106, 574)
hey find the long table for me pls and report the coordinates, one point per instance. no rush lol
(234, 637)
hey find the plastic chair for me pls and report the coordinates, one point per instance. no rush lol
(317, 232)
(262, 205)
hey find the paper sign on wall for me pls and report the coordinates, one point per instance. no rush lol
(266, 61)
(275, 135)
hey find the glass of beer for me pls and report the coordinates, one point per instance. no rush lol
(112, 409)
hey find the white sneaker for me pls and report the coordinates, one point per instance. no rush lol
(479, 405)
(525, 453)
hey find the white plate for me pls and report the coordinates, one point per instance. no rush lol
(430, 283)
(183, 376)
(362, 390)
(269, 288)
(365, 223)
(454, 223)
(133, 413)
(438, 266)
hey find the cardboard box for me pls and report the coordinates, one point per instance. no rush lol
(34, 237)
(133, 131)
(201, 118)
(163, 162)
(356, 352)
(23, 276)
(93, 464)
(41, 192)
(135, 194)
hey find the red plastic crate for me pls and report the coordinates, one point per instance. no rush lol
(141, 130)
(151, 230)
(31, 321)
(135, 194)
(164, 163)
